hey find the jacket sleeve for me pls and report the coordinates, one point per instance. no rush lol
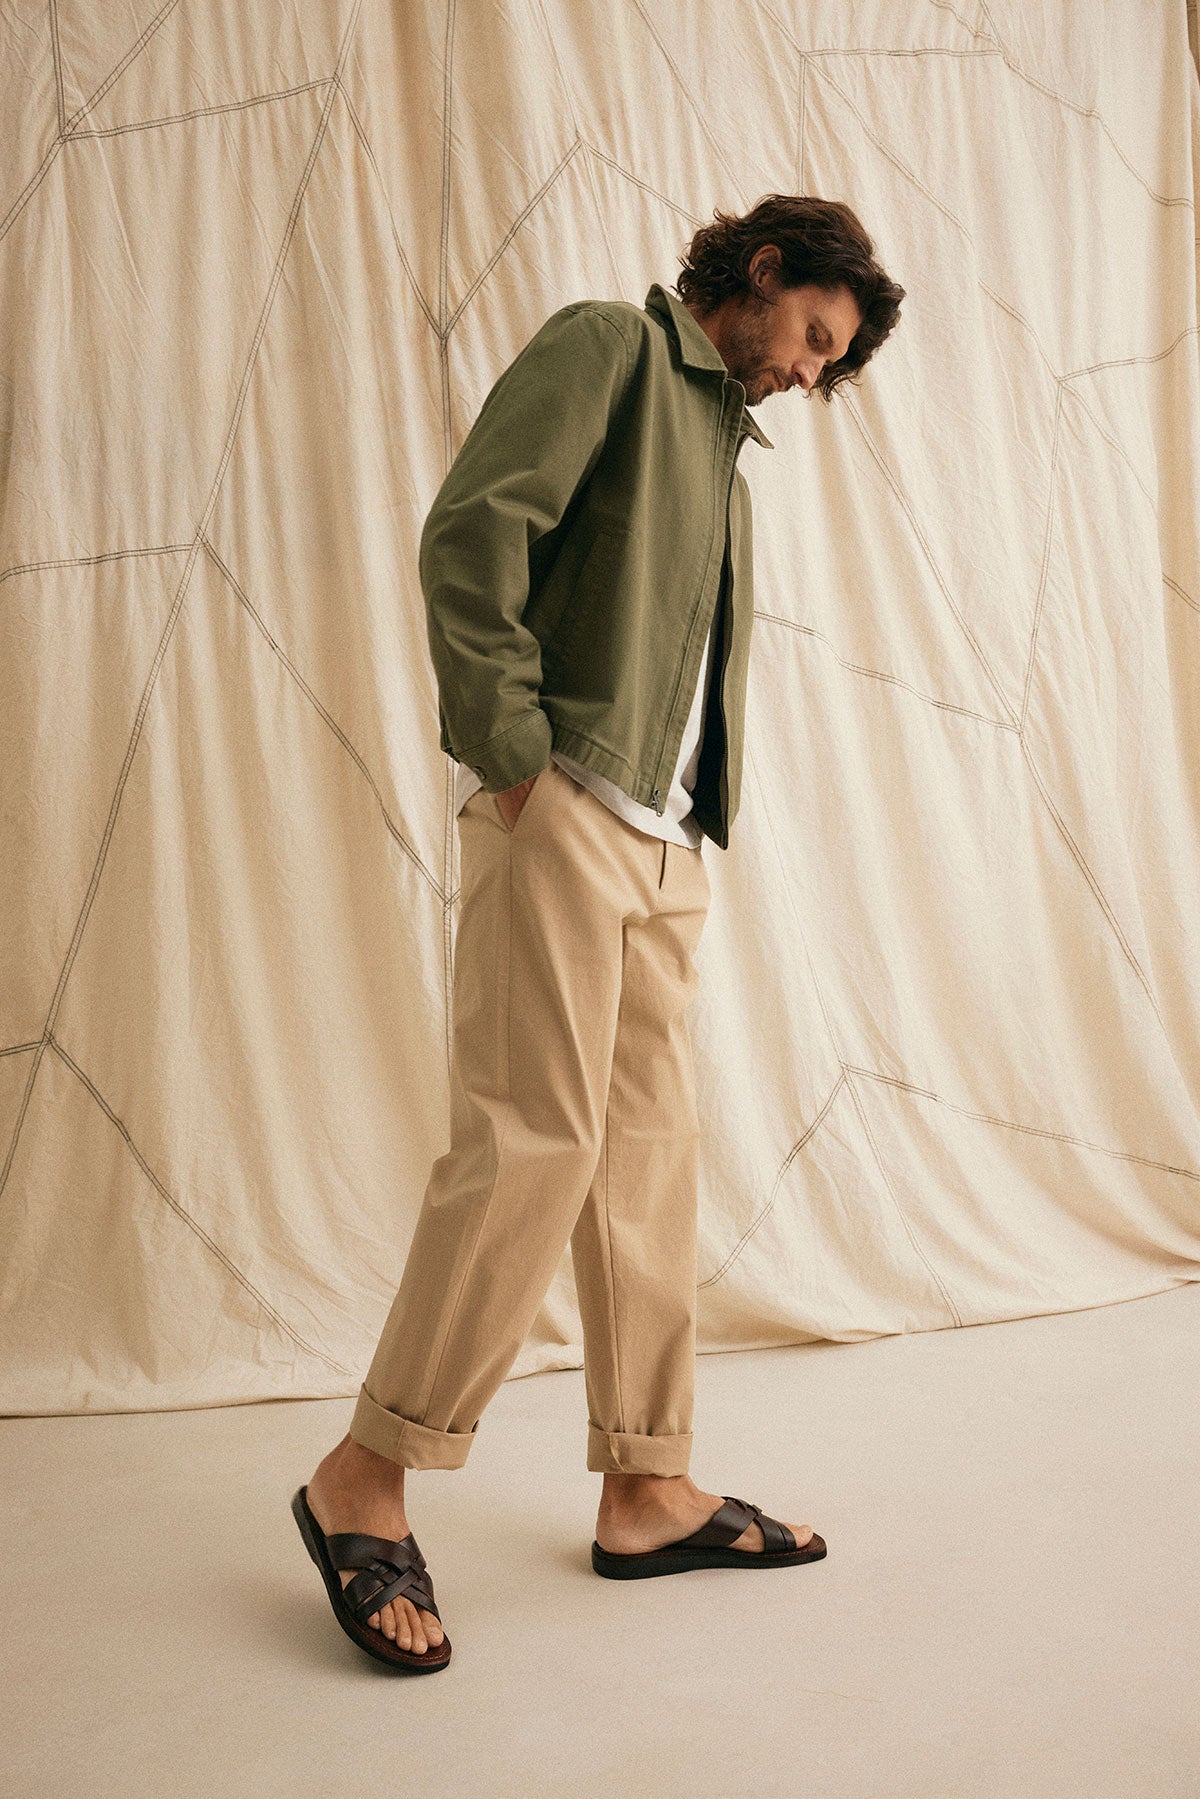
(535, 442)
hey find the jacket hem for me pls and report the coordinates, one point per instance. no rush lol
(615, 768)
(598, 758)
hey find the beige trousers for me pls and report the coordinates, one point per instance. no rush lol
(572, 1116)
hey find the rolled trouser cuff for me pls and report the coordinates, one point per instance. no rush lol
(401, 1440)
(620, 1452)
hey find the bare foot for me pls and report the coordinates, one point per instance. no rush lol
(646, 1511)
(355, 1489)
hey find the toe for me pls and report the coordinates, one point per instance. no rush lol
(803, 1534)
(752, 1537)
(402, 1624)
(420, 1630)
(417, 1642)
(377, 1620)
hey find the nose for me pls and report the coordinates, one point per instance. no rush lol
(806, 373)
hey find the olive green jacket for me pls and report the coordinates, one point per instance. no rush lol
(572, 559)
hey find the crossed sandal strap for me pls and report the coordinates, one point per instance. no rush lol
(726, 1526)
(387, 1571)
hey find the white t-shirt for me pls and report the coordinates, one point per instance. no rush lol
(677, 824)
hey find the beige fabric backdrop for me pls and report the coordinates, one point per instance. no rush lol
(258, 268)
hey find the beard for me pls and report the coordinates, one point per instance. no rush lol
(747, 351)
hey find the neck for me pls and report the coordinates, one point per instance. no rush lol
(711, 324)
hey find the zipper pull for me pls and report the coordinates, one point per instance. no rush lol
(657, 802)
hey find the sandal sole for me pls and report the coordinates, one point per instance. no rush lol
(651, 1562)
(407, 1661)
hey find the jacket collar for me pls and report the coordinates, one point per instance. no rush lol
(696, 348)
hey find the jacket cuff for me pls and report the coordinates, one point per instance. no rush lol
(511, 757)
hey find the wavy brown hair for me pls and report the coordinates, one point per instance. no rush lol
(819, 241)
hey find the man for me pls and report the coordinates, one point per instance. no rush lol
(587, 572)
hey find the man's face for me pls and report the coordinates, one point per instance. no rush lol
(769, 347)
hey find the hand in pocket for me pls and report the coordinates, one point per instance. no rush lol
(510, 801)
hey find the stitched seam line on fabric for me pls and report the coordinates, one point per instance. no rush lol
(1012, 1124)
(510, 234)
(484, 743)
(153, 549)
(1086, 112)
(369, 149)
(196, 112)
(697, 110)
(326, 716)
(1084, 866)
(956, 612)
(879, 674)
(602, 156)
(944, 6)
(56, 47)
(193, 1224)
(114, 75)
(1044, 572)
(712, 1279)
(607, 748)
(65, 128)
(886, 1178)
(1125, 362)
(1118, 449)
(176, 607)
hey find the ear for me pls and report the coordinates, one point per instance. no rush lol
(764, 270)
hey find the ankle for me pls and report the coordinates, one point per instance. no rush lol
(625, 1493)
(350, 1464)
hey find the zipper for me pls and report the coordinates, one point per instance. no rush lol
(655, 799)
(719, 695)
(723, 777)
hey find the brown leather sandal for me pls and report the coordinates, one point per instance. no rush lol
(389, 1571)
(708, 1547)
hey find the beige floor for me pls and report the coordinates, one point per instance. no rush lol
(1010, 1606)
